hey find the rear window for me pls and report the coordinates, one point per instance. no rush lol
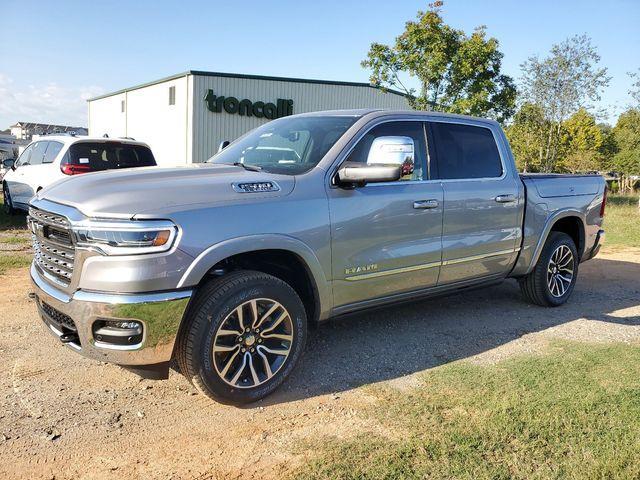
(465, 151)
(109, 155)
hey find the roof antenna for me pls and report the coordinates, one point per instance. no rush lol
(105, 136)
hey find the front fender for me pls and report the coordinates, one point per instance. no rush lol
(234, 246)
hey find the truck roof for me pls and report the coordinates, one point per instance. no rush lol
(373, 112)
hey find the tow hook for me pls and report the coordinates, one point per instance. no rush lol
(69, 338)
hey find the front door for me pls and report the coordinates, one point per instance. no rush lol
(482, 203)
(386, 237)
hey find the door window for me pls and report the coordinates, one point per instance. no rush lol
(23, 159)
(52, 152)
(38, 153)
(465, 151)
(413, 130)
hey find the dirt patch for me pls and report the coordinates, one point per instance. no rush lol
(65, 416)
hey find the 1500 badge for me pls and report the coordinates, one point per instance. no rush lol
(361, 269)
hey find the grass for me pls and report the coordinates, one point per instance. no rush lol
(15, 240)
(574, 413)
(622, 221)
(10, 261)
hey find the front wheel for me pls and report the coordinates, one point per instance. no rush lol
(243, 336)
(554, 276)
(6, 198)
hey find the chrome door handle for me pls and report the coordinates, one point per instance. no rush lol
(505, 198)
(425, 204)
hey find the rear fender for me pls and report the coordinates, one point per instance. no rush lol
(529, 255)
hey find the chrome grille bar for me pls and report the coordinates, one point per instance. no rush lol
(54, 252)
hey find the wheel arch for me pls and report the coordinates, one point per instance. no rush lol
(569, 221)
(278, 255)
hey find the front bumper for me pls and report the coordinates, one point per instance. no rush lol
(160, 314)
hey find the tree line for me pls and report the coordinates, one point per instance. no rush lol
(549, 115)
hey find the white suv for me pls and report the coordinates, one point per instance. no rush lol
(54, 157)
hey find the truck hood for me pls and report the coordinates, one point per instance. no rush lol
(125, 193)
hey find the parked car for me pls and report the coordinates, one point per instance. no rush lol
(222, 266)
(55, 157)
(5, 166)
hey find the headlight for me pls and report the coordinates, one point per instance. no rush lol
(126, 238)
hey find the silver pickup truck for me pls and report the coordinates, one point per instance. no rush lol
(219, 268)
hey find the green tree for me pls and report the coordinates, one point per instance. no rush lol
(457, 73)
(627, 136)
(526, 135)
(609, 147)
(581, 142)
(560, 84)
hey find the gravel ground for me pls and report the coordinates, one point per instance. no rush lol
(64, 416)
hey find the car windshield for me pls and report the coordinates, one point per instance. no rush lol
(289, 145)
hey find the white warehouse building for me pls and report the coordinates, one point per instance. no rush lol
(184, 117)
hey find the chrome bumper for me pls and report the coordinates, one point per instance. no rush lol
(160, 314)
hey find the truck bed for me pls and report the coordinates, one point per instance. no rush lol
(550, 185)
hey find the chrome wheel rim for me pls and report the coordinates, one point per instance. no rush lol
(560, 271)
(252, 343)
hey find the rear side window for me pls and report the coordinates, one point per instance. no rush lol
(465, 151)
(98, 156)
(52, 152)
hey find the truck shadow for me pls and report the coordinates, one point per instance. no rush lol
(396, 341)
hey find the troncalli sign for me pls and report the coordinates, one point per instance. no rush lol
(217, 103)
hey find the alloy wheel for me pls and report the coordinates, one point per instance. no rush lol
(252, 343)
(560, 271)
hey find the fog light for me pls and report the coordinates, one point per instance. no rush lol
(117, 332)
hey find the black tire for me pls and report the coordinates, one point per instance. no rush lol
(535, 286)
(216, 304)
(8, 204)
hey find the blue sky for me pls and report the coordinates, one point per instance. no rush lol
(56, 54)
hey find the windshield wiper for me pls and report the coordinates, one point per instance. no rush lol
(251, 168)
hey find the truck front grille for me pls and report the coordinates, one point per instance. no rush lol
(53, 247)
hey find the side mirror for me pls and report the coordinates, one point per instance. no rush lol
(393, 151)
(224, 144)
(389, 159)
(360, 173)
(9, 163)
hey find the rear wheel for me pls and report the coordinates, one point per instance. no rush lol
(553, 278)
(243, 336)
(8, 204)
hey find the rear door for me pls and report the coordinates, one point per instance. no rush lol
(386, 236)
(481, 223)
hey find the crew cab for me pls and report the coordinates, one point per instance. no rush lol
(53, 157)
(219, 268)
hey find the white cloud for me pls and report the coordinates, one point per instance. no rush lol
(47, 103)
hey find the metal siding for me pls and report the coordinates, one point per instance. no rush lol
(106, 117)
(163, 127)
(209, 128)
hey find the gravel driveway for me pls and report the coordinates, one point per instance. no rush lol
(64, 416)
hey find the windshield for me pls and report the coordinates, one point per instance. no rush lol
(289, 145)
